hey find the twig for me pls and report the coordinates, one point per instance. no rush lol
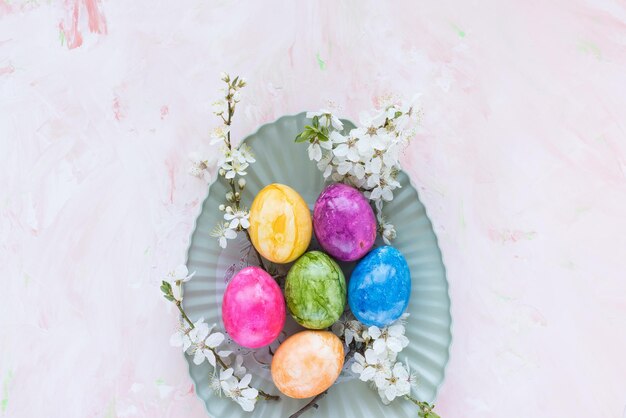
(267, 396)
(182, 312)
(311, 404)
(231, 112)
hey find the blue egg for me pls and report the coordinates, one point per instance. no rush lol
(379, 287)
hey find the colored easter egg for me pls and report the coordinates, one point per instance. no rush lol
(344, 222)
(253, 308)
(307, 363)
(315, 290)
(379, 287)
(280, 223)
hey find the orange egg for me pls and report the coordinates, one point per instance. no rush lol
(307, 363)
(280, 223)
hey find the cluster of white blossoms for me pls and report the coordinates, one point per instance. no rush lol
(366, 157)
(198, 340)
(376, 356)
(232, 163)
(234, 382)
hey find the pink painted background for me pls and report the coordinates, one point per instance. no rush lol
(522, 165)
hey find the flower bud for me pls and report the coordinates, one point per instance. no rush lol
(222, 208)
(237, 195)
(230, 196)
(222, 172)
(242, 183)
(224, 77)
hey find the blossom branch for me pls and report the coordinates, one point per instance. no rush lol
(198, 339)
(366, 157)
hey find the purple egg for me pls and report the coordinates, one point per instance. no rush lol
(344, 222)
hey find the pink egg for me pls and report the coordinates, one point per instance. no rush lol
(253, 309)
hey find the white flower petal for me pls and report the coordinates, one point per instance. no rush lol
(177, 292)
(400, 371)
(359, 358)
(209, 356)
(186, 343)
(367, 374)
(336, 123)
(341, 150)
(250, 393)
(201, 330)
(181, 272)
(387, 194)
(374, 332)
(337, 138)
(370, 356)
(214, 339)
(394, 344)
(357, 368)
(376, 193)
(245, 381)
(379, 346)
(315, 152)
(344, 168)
(246, 404)
(198, 357)
(226, 374)
(390, 392)
(396, 330)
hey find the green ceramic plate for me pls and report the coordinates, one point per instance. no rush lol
(280, 160)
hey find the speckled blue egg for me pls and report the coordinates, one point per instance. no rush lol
(379, 287)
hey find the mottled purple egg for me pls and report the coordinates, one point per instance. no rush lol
(344, 222)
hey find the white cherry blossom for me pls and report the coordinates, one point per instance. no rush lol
(223, 233)
(235, 168)
(396, 384)
(219, 134)
(237, 218)
(176, 278)
(205, 342)
(371, 367)
(181, 337)
(239, 390)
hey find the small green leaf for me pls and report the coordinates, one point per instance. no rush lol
(307, 134)
(398, 114)
(169, 297)
(235, 81)
(316, 121)
(166, 288)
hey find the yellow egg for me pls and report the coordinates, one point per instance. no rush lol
(307, 363)
(280, 223)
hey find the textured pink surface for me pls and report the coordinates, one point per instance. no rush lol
(253, 309)
(521, 164)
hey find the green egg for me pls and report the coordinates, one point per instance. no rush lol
(315, 290)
